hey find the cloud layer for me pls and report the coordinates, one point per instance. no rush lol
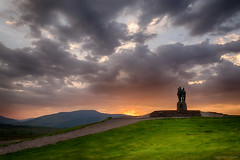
(116, 67)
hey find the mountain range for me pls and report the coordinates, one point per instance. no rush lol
(63, 119)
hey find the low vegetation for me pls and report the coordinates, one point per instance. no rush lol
(194, 138)
(16, 132)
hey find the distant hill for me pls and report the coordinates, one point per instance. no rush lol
(4, 120)
(69, 119)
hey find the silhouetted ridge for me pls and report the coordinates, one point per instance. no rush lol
(70, 119)
(4, 120)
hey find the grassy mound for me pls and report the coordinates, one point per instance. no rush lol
(194, 138)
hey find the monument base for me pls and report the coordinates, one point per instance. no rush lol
(174, 113)
(181, 106)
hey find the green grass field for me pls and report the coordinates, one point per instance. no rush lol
(194, 138)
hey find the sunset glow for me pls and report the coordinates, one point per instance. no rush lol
(131, 113)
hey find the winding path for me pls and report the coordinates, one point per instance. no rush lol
(96, 128)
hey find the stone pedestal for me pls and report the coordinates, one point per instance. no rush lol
(181, 106)
(174, 113)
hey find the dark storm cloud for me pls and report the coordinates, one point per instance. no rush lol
(233, 46)
(93, 22)
(223, 88)
(158, 8)
(199, 16)
(29, 75)
(43, 66)
(210, 16)
(46, 58)
(87, 21)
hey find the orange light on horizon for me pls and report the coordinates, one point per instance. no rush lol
(131, 113)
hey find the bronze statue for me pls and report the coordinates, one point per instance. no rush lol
(181, 94)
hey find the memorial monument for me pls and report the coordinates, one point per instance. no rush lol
(181, 105)
(182, 109)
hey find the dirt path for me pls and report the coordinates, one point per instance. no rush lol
(96, 128)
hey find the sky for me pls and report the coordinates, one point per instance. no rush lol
(127, 56)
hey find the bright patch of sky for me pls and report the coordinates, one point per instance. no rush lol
(228, 38)
(235, 59)
(127, 18)
(27, 84)
(14, 37)
(125, 46)
(76, 50)
(74, 82)
(103, 59)
(133, 27)
(196, 82)
(11, 35)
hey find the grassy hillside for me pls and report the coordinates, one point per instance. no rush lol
(195, 138)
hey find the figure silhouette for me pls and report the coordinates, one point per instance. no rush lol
(181, 94)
